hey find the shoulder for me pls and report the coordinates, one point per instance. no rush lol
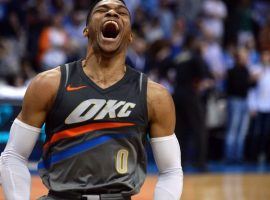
(48, 80)
(156, 90)
(159, 99)
(44, 86)
(39, 97)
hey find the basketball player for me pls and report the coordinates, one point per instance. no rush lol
(97, 112)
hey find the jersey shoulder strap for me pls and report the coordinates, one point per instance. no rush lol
(65, 71)
(143, 82)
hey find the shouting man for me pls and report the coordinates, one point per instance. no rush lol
(97, 112)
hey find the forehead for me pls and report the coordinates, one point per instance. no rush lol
(110, 3)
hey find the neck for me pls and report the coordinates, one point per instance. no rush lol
(104, 70)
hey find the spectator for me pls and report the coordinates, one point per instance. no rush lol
(178, 36)
(58, 6)
(35, 23)
(229, 54)
(153, 31)
(190, 125)
(260, 108)
(11, 26)
(159, 59)
(261, 11)
(52, 44)
(253, 54)
(264, 38)
(9, 59)
(214, 12)
(74, 29)
(245, 22)
(189, 9)
(166, 18)
(238, 82)
(213, 56)
(140, 25)
(136, 56)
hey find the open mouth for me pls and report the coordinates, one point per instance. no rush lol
(110, 29)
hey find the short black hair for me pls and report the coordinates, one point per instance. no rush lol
(91, 7)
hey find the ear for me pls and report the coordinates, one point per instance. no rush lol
(85, 32)
(131, 38)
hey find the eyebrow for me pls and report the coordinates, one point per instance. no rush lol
(108, 7)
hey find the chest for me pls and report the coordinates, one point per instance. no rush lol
(88, 105)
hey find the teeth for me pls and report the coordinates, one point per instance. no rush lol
(113, 22)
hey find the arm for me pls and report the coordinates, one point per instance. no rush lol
(164, 143)
(16, 179)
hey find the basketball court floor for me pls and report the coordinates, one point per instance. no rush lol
(200, 187)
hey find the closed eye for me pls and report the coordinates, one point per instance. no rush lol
(121, 10)
(101, 10)
(122, 13)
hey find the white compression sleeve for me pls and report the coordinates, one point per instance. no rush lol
(167, 155)
(16, 179)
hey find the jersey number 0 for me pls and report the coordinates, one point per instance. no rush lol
(121, 163)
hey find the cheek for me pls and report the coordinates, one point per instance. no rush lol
(94, 23)
(127, 25)
(128, 33)
(93, 30)
(127, 22)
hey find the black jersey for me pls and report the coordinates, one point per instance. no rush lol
(95, 137)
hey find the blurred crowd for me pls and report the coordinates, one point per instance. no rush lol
(212, 55)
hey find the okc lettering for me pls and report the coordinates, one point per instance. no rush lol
(99, 108)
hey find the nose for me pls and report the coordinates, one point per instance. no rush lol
(112, 13)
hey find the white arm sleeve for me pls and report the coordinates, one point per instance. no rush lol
(16, 179)
(167, 155)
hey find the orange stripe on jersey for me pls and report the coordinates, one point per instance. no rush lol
(73, 132)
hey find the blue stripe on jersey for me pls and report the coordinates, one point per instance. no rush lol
(82, 147)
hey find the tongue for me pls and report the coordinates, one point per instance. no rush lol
(110, 30)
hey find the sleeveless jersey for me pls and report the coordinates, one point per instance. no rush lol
(95, 138)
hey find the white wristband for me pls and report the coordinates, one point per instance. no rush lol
(167, 155)
(16, 179)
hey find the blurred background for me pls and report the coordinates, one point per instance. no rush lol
(212, 55)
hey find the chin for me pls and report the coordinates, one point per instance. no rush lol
(110, 47)
(110, 54)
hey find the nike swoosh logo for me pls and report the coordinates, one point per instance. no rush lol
(70, 88)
